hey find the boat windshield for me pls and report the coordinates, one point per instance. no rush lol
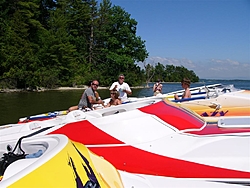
(174, 115)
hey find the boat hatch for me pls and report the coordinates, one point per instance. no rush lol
(234, 122)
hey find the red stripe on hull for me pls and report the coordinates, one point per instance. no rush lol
(86, 133)
(135, 160)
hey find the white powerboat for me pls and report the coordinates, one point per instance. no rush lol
(56, 161)
(166, 140)
(131, 104)
(162, 139)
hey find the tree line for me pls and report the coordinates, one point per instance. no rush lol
(51, 43)
(168, 73)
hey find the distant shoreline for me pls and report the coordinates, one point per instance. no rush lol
(82, 87)
(85, 87)
(56, 89)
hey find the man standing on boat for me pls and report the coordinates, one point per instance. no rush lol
(122, 87)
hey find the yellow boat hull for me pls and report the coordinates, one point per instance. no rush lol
(69, 168)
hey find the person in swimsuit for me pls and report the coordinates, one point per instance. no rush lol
(114, 99)
(185, 83)
(157, 88)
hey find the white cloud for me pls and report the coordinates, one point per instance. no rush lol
(213, 68)
(227, 61)
(171, 61)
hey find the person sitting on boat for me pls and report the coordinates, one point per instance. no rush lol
(89, 97)
(157, 88)
(122, 87)
(114, 99)
(185, 83)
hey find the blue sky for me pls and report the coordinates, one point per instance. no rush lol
(211, 37)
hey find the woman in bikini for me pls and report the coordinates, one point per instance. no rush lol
(157, 87)
(114, 99)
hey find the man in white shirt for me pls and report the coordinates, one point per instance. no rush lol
(122, 87)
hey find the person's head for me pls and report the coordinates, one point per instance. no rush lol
(114, 94)
(185, 81)
(121, 78)
(94, 85)
(159, 81)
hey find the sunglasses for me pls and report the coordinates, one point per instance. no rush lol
(121, 78)
(112, 93)
(95, 85)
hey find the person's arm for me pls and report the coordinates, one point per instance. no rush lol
(176, 97)
(157, 87)
(108, 105)
(113, 86)
(97, 96)
(92, 101)
(128, 90)
(154, 88)
(160, 88)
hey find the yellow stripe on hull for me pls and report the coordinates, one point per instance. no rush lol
(66, 169)
(227, 111)
(232, 104)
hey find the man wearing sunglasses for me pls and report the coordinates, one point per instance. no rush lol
(122, 87)
(88, 98)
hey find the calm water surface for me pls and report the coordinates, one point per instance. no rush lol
(16, 105)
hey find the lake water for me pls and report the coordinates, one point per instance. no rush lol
(16, 105)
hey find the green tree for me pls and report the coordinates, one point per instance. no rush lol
(57, 53)
(171, 73)
(80, 30)
(170, 70)
(119, 47)
(54, 43)
(160, 72)
(18, 50)
(149, 72)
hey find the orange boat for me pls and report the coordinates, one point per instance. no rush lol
(228, 104)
